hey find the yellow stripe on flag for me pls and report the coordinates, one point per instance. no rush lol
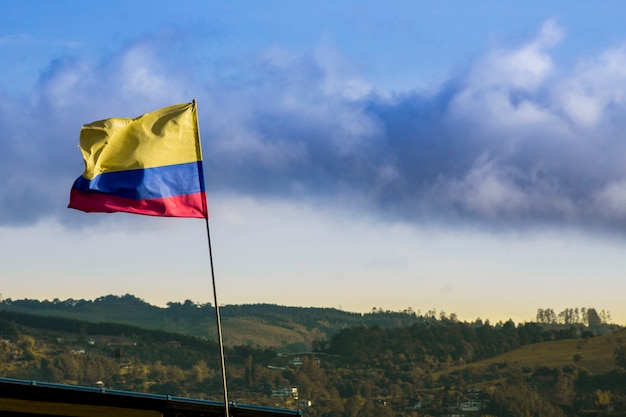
(167, 136)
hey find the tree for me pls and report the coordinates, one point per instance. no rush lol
(137, 375)
(200, 371)
(605, 316)
(540, 315)
(27, 344)
(8, 330)
(516, 398)
(49, 372)
(620, 357)
(602, 398)
(593, 319)
(67, 363)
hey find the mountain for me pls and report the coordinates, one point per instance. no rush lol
(430, 366)
(260, 325)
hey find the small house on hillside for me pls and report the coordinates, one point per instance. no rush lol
(286, 393)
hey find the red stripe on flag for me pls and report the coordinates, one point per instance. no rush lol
(188, 205)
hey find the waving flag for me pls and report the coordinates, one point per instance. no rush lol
(149, 165)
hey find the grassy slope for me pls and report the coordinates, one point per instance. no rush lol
(596, 354)
(237, 330)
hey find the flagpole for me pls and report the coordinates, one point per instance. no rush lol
(219, 325)
(217, 306)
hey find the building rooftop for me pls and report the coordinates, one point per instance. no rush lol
(48, 399)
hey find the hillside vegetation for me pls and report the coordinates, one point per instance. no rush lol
(378, 364)
(595, 354)
(263, 325)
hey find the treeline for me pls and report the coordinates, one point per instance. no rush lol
(309, 317)
(569, 316)
(198, 319)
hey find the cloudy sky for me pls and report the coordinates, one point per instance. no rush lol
(468, 157)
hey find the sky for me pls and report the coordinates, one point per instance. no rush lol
(464, 157)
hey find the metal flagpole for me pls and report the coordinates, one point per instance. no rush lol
(219, 325)
(217, 306)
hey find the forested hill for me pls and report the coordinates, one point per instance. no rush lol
(436, 366)
(264, 325)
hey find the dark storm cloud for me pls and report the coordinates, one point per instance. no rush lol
(512, 139)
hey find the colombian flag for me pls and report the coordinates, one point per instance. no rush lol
(149, 165)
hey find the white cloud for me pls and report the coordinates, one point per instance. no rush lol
(502, 94)
(66, 83)
(611, 200)
(523, 68)
(339, 77)
(485, 191)
(141, 74)
(595, 87)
